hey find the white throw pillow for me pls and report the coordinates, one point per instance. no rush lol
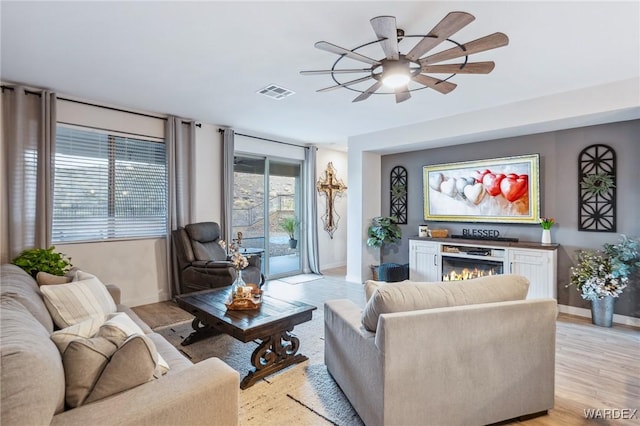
(77, 301)
(83, 330)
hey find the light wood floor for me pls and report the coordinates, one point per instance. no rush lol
(596, 368)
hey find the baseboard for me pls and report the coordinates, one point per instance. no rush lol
(333, 265)
(582, 312)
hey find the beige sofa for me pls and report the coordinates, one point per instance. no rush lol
(33, 378)
(465, 353)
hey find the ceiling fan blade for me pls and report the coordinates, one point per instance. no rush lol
(402, 94)
(386, 30)
(468, 68)
(348, 83)
(364, 95)
(480, 45)
(449, 25)
(443, 87)
(323, 45)
(335, 71)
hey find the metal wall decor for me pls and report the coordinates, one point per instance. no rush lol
(330, 186)
(398, 188)
(597, 189)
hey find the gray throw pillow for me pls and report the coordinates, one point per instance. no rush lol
(96, 368)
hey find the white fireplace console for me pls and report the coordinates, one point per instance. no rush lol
(442, 259)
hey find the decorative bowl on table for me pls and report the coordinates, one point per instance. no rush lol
(245, 298)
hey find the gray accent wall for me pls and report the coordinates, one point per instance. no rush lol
(558, 195)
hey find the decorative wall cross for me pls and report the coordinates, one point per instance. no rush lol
(330, 186)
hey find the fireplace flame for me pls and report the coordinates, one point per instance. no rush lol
(467, 274)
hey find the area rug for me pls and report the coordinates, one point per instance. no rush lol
(302, 394)
(299, 279)
(319, 393)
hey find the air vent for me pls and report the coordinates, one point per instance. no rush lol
(275, 92)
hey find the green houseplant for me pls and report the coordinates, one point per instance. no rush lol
(289, 225)
(382, 230)
(601, 275)
(43, 260)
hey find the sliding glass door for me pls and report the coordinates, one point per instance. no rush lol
(284, 218)
(269, 218)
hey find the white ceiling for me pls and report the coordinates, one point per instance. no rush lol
(206, 60)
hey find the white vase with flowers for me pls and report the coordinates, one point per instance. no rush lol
(239, 262)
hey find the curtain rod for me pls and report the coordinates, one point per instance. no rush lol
(268, 140)
(95, 105)
(112, 108)
(120, 110)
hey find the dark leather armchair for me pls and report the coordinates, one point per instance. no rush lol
(201, 262)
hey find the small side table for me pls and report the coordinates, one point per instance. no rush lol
(250, 251)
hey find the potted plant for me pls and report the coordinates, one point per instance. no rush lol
(546, 223)
(601, 275)
(383, 230)
(43, 260)
(289, 224)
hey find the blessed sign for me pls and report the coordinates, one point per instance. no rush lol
(480, 233)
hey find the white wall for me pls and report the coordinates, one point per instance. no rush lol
(578, 108)
(364, 176)
(208, 190)
(136, 266)
(333, 252)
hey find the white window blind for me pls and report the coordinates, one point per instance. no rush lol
(108, 186)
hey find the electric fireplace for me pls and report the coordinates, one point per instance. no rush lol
(463, 262)
(458, 268)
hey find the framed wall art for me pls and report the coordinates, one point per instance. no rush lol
(496, 190)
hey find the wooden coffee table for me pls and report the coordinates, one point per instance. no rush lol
(271, 324)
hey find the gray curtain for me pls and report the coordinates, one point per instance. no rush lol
(227, 183)
(29, 133)
(180, 144)
(311, 209)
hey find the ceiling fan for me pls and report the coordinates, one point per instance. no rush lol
(397, 70)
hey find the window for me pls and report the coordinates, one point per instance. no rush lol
(108, 186)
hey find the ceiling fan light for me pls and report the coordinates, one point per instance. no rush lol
(395, 80)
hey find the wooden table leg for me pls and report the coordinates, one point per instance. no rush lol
(274, 353)
(200, 331)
